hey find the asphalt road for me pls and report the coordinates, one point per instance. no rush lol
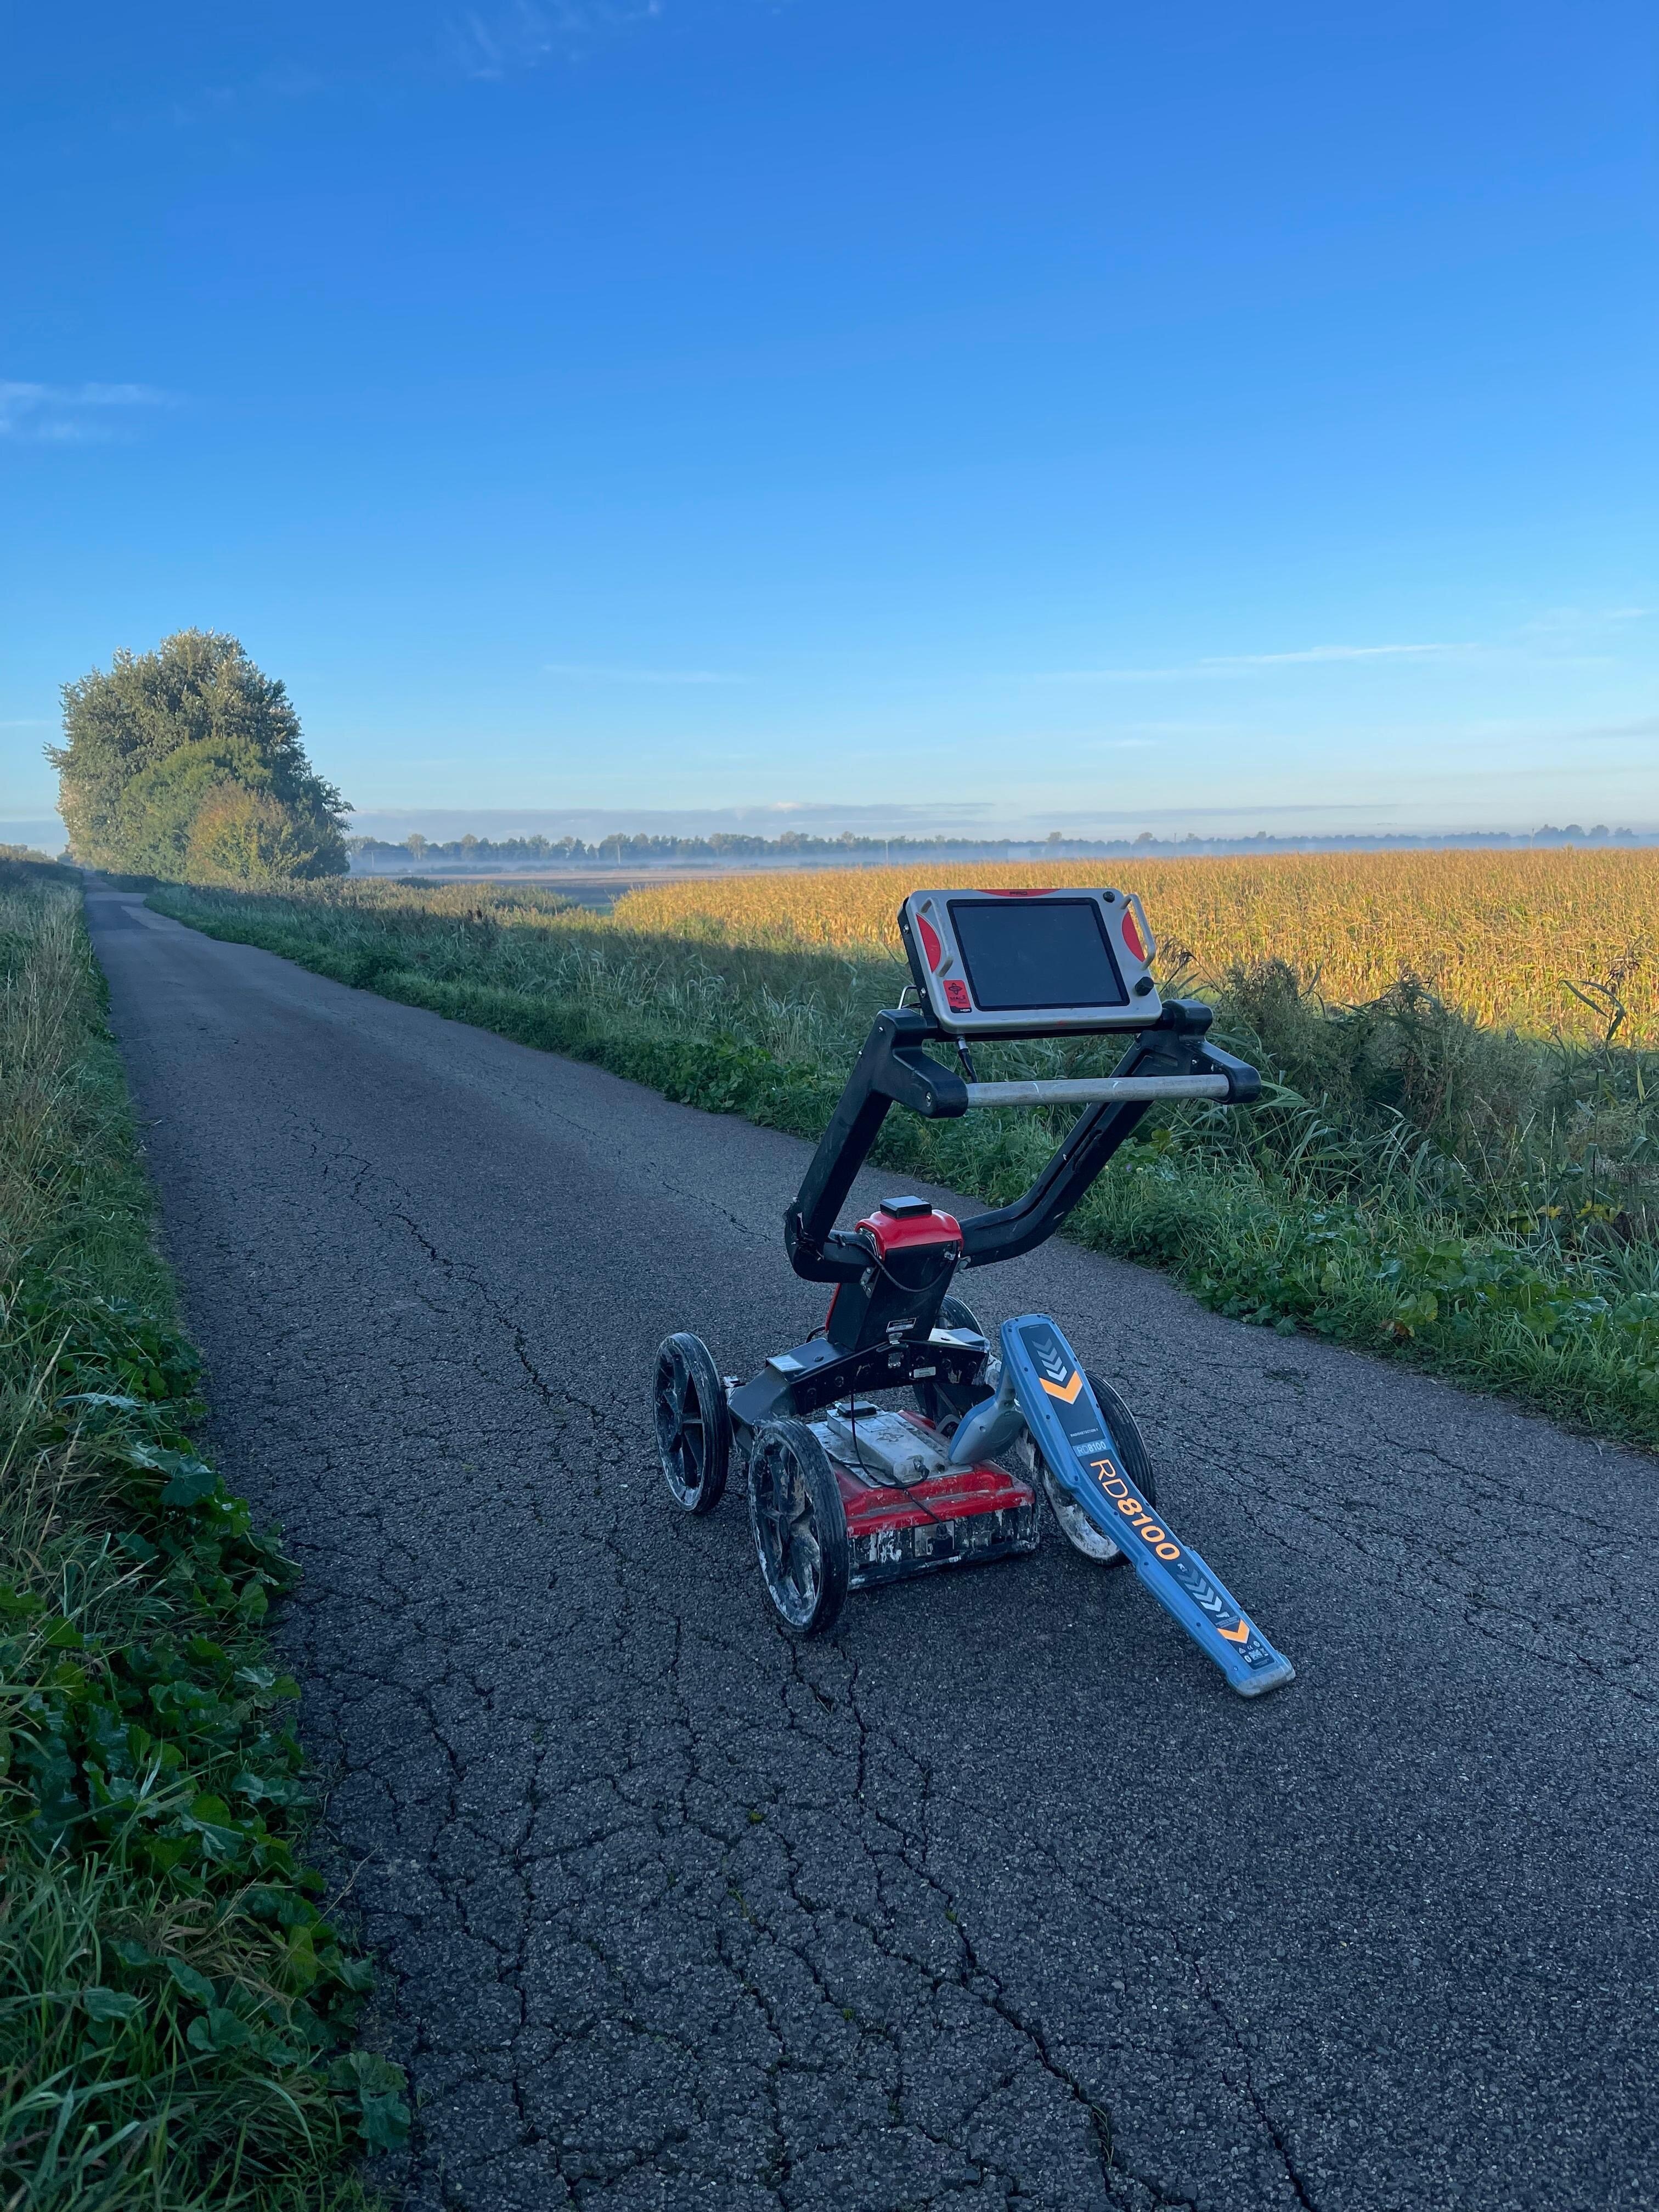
(995, 1897)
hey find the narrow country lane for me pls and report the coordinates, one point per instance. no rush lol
(994, 1897)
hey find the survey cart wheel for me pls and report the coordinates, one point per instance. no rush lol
(1079, 1530)
(694, 1429)
(799, 1528)
(945, 1404)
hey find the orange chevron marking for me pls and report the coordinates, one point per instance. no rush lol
(1066, 1392)
(1236, 1635)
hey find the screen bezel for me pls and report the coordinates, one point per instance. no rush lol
(933, 905)
(1073, 902)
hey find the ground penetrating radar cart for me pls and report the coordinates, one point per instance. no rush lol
(845, 1493)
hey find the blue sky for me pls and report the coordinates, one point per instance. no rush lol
(1228, 416)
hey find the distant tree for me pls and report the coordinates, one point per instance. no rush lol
(165, 755)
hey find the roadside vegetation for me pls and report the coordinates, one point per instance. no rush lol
(187, 763)
(176, 2004)
(1470, 1197)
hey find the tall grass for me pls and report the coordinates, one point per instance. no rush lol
(1413, 1182)
(175, 2008)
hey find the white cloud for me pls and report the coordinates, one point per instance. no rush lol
(1234, 663)
(65, 414)
(1333, 652)
(1647, 726)
(493, 43)
(589, 671)
(1558, 623)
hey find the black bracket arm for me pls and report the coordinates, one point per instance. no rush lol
(1243, 1081)
(891, 1070)
(1176, 1045)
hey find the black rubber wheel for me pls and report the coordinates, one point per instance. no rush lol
(944, 1404)
(694, 1429)
(799, 1526)
(1079, 1532)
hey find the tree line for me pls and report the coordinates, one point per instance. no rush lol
(420, 854)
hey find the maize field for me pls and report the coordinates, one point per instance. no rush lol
(1543, 943)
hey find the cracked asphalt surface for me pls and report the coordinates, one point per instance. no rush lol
(996, 1896)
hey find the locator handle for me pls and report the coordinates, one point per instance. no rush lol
(1170, 1058)
(1098, 1090)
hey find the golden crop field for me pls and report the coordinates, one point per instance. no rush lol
(1498, 934)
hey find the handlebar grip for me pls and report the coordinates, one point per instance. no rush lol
(1092, 1091)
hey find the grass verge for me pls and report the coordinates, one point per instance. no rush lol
(1476, 1201)
(176, 2008)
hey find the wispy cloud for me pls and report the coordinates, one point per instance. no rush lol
(1336, 653)
(1571, 622)
(493, 43)
(1646, 726)
(587, 672)
(879, 816)
(1240, 664)
(69, 414)
(27, 722)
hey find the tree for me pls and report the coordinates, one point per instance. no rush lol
(241, 837)
(188, 762)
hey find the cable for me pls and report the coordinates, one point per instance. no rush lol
(883, 1481)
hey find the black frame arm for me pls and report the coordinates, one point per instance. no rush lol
(892, 1069)
(1175, 1046)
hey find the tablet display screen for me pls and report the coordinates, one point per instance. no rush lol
(1037, 953)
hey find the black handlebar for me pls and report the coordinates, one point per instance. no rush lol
(892, 1069)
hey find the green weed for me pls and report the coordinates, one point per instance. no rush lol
(176, 2006)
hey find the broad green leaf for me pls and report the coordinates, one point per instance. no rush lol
(190, 1485)
(100, 2003)
(219, 2030)
(196, 1987)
